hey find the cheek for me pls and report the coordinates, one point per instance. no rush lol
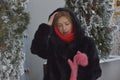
(60, 30)
(70, 28)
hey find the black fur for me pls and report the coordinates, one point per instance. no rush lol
(46, 44)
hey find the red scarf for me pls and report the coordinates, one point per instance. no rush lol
(67, 38)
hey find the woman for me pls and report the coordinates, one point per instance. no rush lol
(70, 54)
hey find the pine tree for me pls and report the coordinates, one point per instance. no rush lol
(13, 21)
(95, 17)
(116, 33)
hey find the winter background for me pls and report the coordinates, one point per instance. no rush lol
(99, 18)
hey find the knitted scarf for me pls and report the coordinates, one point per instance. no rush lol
(66, 38)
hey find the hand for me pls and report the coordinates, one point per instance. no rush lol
(74, 68)
(81, 59)
(51, 19)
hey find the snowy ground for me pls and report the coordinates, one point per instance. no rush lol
(110, 58)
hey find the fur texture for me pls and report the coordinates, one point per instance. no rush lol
(47, 45)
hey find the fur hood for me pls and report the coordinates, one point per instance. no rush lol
(79, 33)
(48, 46)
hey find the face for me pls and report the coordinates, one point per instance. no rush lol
(64, 25)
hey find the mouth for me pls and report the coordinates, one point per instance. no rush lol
(65, 33)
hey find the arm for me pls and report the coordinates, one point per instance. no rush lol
(94, 65)
(92, 71)
(39, 44)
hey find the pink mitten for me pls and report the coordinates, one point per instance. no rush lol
(81, 59)
(74, 68)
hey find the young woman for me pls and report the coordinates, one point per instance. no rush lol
(70, 54)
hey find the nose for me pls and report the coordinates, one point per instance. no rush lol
(64, 28)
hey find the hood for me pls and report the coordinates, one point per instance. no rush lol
(78, 31)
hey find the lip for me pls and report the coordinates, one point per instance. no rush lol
(65, 33)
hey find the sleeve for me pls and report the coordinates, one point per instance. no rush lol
(39, 45)
(94, 65)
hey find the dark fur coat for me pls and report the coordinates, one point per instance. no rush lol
(46, 44)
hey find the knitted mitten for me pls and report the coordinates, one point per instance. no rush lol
(74, 68)
(79, 59)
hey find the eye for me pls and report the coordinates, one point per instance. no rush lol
(67, 23)
(59, 25)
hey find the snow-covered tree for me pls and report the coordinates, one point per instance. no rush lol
(116, 33)
(13, 21)
(95, 17)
